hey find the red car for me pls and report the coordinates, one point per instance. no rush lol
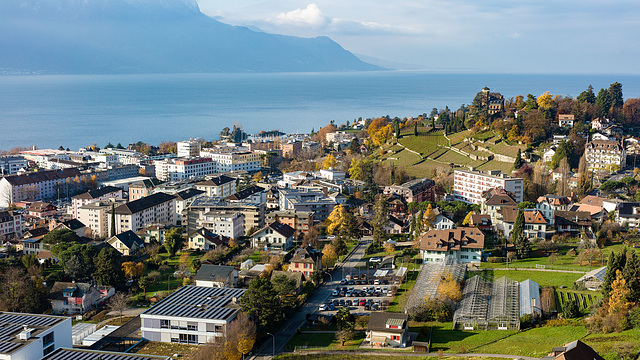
(362, 302)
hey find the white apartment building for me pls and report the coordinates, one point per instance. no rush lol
(30, 336)
(10, 225)
(95, 216)
(158, 208)
(468, 185)
(233, 161)
(219, 186)
(191, 315)
(105, 192)
(43, 157)
(188, 149)
(226, 223)
(11, 164)
(181, 168)
(39, 185)
(608, 155)
(339, 137)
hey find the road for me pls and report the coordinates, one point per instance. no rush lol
(277, 342)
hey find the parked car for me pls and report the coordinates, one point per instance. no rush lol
(389, 293)
(335, 293)
(322, 307)
(375, 259)
(362, 302)
(330, 307)
(341, 302)
(376, 282)
(349, 303)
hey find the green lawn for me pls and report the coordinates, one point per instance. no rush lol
(459, 136)
(371, 356)
(403, 158)
(543, 278)
(607, 345)
(585, 297)
(504, 167)
(324, 340)
(397, 305)
(424, 143)
(562, 262)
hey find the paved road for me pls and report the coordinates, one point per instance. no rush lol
(321, 295)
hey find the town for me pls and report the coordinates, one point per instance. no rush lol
(507, 227)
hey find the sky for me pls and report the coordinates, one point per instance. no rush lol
(477, 36)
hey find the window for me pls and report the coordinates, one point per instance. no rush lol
(47, 339)
(164, 324)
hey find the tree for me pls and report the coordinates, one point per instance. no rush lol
(262, 303)
(132, 270)
(380, 220)
(523, 246)
(75, 267)
(570, 309)
(286, 289)
(339, 245)
(518, 226)
(450, 289)
(20, 293)
(630, 272)
(29, 260)
(329, 255)
(335, 219)
(415, 129)
(389, 248)
(107, 267)
(584, 177)
(54, 237)
(173, 240)
(257, 177)
(615, 263)
(345, 335)
(329, 162)
(467, 219)
(618, 298)
(615, 95)
(562, 186)
(350, 229)
(119, 302)
(587, 96)
(603, 102)
(345, 319)
(144, 283)
(428, 218)
(112, 232)
(517, 164)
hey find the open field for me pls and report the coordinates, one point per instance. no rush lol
(424, 143)
(585, 298)
(403, 158)
(371, 356)
(543, 278)
(562, 262)
(324, 340)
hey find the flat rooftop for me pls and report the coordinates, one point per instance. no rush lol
(78, 354)
(198, 302)
(11, 324)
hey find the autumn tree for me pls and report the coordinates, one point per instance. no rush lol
(133, 270)
(562, 185)
(428, 218)
(321, 135)
(329, 162)
(450, 289)
(618, 297)
(257, 177)
(173, 240)
(119, 302)
(329, 255)
(584, 177)
(389, 247)
(467, 219)
(335, 219)
(631, 111)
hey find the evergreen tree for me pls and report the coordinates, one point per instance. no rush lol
(415, 129)
(113, 220)
(262, 303)
(584, 177)
(630, 274)
(603, 100)
(107, 267)
(380, 220)
(587, 96)
(615, 95)
(396, 129)
(517, 164)
(523, 246)
(614, 263)
(518, 226)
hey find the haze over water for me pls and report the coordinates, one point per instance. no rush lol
(78, 110)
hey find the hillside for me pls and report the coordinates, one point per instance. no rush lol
(144, 36)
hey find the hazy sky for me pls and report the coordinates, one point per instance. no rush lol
(532, 36)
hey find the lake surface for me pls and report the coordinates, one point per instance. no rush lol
(78, 110)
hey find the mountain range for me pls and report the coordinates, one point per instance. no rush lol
(150, 36)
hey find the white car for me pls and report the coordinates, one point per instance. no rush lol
(375, 259)
(322, 307)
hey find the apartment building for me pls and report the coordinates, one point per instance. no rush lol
(39, 185)
(468, 185)
(300, 221)
(11, 164)
(30, 336)
(253, 213)
(191, 315)
(183, 168)
(95, 216)
(219, 186)
(339, 137)
(291, 149)
(417, 190)
(309, 200)
(306, 260)
(140, 189)
(188, 149)
(103, 193)
(607, 155)
(10, 225)
(226, 161)
(221, 222)
(158, 208)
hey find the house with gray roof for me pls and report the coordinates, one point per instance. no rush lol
(387, 329)
(210, 275)
(126, 243)
(275, 235)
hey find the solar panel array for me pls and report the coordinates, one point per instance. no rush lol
(12, 324)
(72, 354)
(198, 302)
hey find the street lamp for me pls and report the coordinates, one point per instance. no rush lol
(327, 273)
(273, 347)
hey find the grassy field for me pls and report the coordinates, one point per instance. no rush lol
(403, 292)
(562, 262)
(403, 158)
(504, 167)
(324, 340)
(586, 298)
(372, 356)
(424, 143)
(165, 349)
(459, 136)
(543, 278)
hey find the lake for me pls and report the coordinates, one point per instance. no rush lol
(78, 110)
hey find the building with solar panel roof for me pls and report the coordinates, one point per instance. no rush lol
(191, 315)
(30, 336)
(81, 354)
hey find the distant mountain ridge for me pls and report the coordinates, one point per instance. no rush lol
(150, 36)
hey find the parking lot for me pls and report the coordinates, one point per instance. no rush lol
(360, 295)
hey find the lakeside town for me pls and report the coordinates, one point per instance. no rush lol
(507, 227)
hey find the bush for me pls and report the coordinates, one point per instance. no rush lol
(495, 259)
(525, 321)
(570, 309)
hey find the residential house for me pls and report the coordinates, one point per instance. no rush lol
(204, 239)
(158, 208)
(613, 131)
(573, 222)
(493, 202)
(469, 185)
(481, 221)
(32, 242)
(103, 193)
(632, 145)
(628, 214)
(535, 226)
(442, 222)
(272, 199)
(141, 189)
(576, 350)
(600, 124)
(10, 225)
(41, 209)
(592, 280)
(595, 205)
(220, 276)
(74, 225)
(274, 235)
(463, 243)
(71, 298)
(388, 329)
(31, 336)
(548, 155)
(566, 120)
(598, 136)
(417, 190)
(40, 185)
(184, 198)
(606, 155)
(306, 260)
(153, 233)
(219, 186)
(225, 223)
(127, 243)
(191, 315)
(549, 204)
(300, 221)
(396, 226)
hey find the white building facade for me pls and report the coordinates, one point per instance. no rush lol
(468, 185)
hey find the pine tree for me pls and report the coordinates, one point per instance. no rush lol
(518, 226)
(584, 177)
(523, 246)
(517, 164)
(630, 272)
(616, 262)
(113, 220)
